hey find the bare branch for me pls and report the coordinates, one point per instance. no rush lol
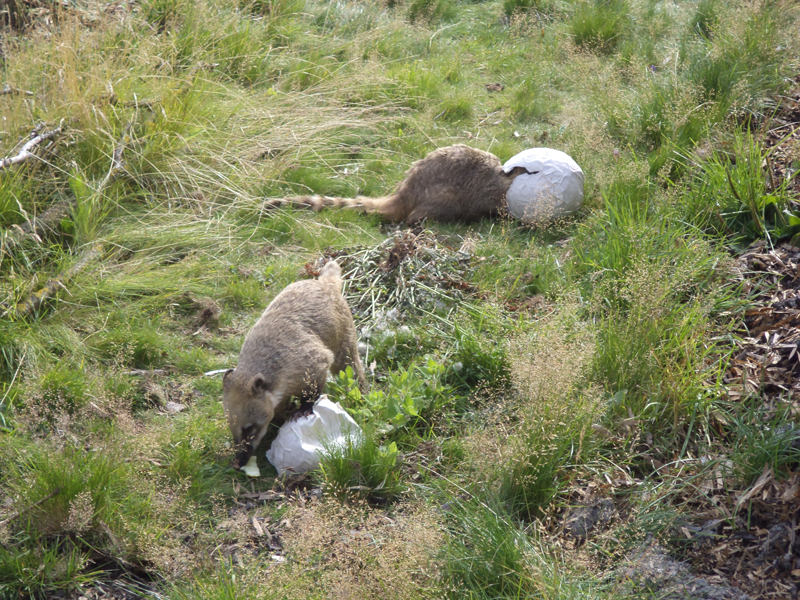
(21, 512)
(25, 152)
(37, 227)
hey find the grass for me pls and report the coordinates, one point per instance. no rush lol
(511, 369)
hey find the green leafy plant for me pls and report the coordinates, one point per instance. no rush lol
(413, 396)
(731, 196)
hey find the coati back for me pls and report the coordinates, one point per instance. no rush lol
(306, 332)
(456, 183)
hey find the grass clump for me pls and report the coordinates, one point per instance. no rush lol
(731, 197)
(556, 413)
(361, 468)
(431, 10)
(599, 24)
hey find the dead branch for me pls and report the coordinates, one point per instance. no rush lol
(9, 91)
(37, 227)
(147, 372)
(117, 166)
(25, 152)
(21, 512)
(29, 306)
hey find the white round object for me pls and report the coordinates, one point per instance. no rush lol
(301, 442)
(551, 188)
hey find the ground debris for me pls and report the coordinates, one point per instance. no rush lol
(783, 140)
(651, 570)
(581, 520)
(413, 270)
(767, 355)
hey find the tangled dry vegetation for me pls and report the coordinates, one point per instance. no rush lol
(603, 407)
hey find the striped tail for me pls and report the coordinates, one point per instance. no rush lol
(317, 203)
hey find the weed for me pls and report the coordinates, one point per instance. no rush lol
(415, 397)
(730, 196)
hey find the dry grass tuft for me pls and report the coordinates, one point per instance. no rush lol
(357, 552)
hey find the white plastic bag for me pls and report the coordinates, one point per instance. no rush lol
(552, 188)
(300, 443)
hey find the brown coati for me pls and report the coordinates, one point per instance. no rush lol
(306, 332)
(456, 183)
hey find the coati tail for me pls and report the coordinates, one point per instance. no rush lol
(332, 273)
(386, 206)
(317, 203)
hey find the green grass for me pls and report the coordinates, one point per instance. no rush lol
(553, 360)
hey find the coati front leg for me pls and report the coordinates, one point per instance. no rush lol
(313, 382)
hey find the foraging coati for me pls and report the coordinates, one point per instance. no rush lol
(456, 183)
(304, 333)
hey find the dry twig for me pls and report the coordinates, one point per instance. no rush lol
(36, 228)
(25, 153)
(21, 512)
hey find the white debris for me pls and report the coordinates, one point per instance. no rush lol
(251, 468)
(551, 188)
(302, 441)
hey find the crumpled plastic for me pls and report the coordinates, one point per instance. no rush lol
(552, 188)
(301, 442)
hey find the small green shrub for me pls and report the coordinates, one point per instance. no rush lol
(732, 197)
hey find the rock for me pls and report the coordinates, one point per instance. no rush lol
(651, 570)
(580, 521)
(174, 407)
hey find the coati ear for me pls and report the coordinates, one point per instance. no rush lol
(228, 372)
(258, 384)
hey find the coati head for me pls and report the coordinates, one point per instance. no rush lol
(249, 408)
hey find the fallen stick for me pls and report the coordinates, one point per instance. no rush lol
(21, 512)
(8, 91)
(37, 227)
(25, 152)
(29, 306)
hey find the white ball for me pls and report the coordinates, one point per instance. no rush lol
(551, 188)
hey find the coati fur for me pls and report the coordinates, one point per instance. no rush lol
(456, 183)
(306, 332)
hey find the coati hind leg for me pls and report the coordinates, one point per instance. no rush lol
(348, 357)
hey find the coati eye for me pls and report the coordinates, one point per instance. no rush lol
(248, 431)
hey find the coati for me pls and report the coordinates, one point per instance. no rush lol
(304, 333)
(456, 183)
